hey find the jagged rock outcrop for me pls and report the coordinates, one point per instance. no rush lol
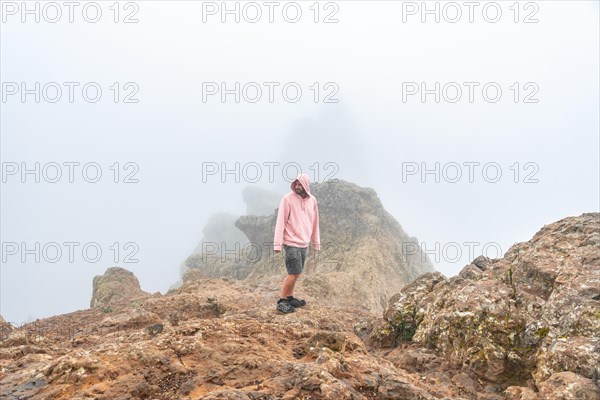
(352, 221)
(116, 285)
(365, 255)
(531, 318)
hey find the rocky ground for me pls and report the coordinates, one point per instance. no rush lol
(210, 339)
(525, 327)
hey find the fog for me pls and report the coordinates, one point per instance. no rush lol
(473, 134)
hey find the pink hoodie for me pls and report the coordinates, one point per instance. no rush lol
(298, 219)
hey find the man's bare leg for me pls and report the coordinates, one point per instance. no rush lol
(288, 286)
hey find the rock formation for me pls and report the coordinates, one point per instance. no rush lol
(531, 318)
(365, 255)
(116, 285)
(523, 327)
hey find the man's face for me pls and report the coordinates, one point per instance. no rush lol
(298, 188)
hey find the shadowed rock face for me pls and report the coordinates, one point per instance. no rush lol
(525, 319)
(365, 255)
(117, 284)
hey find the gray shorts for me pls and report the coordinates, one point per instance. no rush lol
(294, 259)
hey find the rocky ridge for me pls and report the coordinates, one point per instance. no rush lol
(365, 257)
(523, 327)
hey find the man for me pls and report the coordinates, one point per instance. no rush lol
(297, 226)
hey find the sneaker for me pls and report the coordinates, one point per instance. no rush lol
(284, 306)
(296, 302)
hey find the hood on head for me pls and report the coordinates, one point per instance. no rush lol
(304, 181)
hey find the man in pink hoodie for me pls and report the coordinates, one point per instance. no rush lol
(297, 226)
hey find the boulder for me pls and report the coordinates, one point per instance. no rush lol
(116, 285)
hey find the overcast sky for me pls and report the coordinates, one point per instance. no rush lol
(498, 104)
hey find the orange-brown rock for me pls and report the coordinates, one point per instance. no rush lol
(524, 327)
(524, 320)
(210, 339)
